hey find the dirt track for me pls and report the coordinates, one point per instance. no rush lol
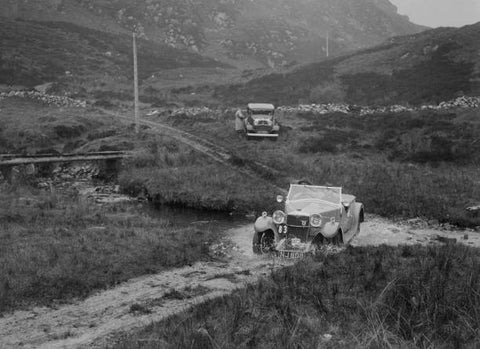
(138, 302)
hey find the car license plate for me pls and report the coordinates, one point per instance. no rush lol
(263, 132)
(292, 254)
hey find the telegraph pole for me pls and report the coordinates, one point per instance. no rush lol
(135, 83)
(327, 45)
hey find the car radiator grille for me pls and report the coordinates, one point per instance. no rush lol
(297, 221)
(263, 128)
(299, 233)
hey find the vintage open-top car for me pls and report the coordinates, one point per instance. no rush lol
(313, 216)
(260, 121)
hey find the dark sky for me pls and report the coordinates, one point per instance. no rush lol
(440, 13)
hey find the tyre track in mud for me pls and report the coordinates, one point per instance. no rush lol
(215, 152)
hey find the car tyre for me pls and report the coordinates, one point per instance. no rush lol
(263, 242)
(337, 239)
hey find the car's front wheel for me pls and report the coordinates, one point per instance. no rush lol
(263, 242)
(337, 239)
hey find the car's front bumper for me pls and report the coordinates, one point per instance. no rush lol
(293, 254)
(270, 135)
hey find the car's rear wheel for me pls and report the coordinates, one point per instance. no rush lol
(263, 242)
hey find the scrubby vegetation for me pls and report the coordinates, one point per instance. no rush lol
(433, 81)
(55, 247)
(376, 297)
(172, 173)
(32, 127)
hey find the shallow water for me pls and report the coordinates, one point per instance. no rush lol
(183, 217)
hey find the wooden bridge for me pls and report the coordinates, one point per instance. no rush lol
(110, 159)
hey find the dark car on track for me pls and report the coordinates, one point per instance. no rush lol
(261, 122)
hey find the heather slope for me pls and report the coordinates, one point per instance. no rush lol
(37, 52)
(428, 67)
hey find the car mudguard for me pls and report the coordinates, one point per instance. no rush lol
(359, 212)
(264, 223)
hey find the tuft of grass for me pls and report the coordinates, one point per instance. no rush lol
(139, 309)
(372, 297)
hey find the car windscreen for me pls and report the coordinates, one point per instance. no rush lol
(308, 192)
(262, 113)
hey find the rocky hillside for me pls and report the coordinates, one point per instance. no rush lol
(248, 34)
(85, 60)
(428, 67)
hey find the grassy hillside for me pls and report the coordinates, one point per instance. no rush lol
(38, 52)
(424, 68)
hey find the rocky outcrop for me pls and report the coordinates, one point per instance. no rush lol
(250, 33)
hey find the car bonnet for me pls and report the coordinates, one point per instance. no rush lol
(309, 207)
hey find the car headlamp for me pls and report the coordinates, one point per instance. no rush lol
(278, 217)
(315, 220)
